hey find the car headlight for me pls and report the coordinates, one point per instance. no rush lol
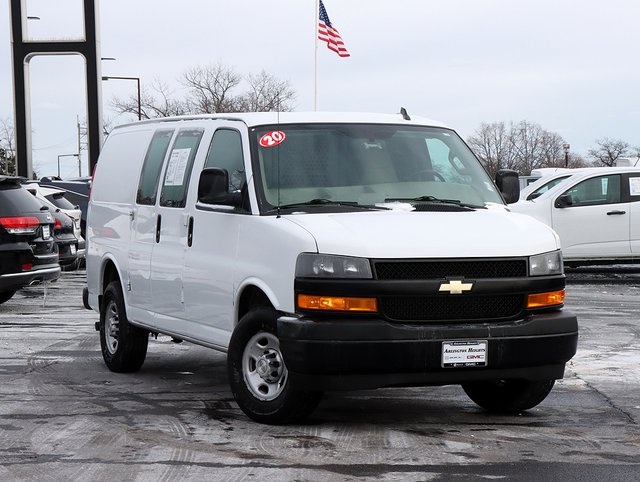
(312, 265)
(546, 264)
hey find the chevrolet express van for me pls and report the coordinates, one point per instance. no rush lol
(324, 252)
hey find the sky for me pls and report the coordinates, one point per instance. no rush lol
(570, 66)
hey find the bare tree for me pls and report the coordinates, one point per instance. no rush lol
(7, 148)
(522, 147)
(266, 93)
(211, 89)
(536, 147)
(608, 151)
(492, 144)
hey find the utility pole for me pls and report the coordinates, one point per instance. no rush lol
(79, 147)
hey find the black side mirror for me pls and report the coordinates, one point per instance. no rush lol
(509, 185)
(563, 201)
(213, 188)
(533, 195)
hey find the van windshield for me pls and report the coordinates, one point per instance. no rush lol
(353, 165)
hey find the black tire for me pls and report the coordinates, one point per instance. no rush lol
(6, 296)
(258, 376)
(124, 346)
(508, 396)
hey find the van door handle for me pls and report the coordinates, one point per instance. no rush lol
(613, 213)
(190, 232)
(158, 225)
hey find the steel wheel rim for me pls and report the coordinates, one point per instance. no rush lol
(111, 327)
(263, 368)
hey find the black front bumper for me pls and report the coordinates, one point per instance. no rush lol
(344, 354)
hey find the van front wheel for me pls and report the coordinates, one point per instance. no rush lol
(508, 396)
(258, 374)
(124, 346)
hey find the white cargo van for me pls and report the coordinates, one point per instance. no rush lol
(324, 252)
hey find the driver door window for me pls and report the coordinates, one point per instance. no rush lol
(225, 152)
(595, 191)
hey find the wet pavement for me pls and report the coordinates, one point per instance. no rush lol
(64, 416)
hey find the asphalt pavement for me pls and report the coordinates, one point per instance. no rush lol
(64, 416)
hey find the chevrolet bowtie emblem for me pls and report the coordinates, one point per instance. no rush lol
(456, 287)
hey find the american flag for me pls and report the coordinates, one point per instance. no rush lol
(328, 34)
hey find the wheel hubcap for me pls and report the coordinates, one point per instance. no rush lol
(112, 327)
(263, 367)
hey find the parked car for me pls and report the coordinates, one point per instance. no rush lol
(56, 199)
(77, 192)
(596, 213)
(324, 251)
(27, 249)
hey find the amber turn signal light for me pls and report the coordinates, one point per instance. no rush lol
(540, 300)
(337, 303)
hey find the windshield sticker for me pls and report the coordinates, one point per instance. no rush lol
(272, 139)
(634, 186)
(177, 167)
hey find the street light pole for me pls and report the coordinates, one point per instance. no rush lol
(66, 155)
(566, 148)
(137, 79)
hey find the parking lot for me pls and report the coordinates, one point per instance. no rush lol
(64, 416)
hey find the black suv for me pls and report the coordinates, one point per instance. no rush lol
(27, 249)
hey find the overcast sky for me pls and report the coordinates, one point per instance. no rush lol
(569, 65)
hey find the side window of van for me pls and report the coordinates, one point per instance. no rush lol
(179, 165)
(148, 185)
(225, 152)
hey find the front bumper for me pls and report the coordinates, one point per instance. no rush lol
(344, 354)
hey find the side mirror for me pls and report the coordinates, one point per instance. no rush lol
(508, 184)
(563, 201)
(213, 188)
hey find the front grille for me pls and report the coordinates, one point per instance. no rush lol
(452, 308)
(443, 269)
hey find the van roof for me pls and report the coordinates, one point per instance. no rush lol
(261, 118)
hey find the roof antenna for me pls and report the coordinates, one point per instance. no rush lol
(404, 114)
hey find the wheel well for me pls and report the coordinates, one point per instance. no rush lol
(252, 297)
(109, 274)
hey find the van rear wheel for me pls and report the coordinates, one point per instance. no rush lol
(124, 346)
(258, 374)
(508, 396)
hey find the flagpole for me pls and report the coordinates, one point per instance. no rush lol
(315, 56)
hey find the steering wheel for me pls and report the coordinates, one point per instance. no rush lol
(434, 174)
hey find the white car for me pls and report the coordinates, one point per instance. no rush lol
(595, 211)
(55, 198)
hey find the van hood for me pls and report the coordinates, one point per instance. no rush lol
(418, 234)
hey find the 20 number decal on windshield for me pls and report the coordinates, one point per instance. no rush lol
(272, 139)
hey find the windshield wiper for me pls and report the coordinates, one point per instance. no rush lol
(433, 199)
(319, 202)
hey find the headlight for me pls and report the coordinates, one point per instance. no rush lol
(546, 264)
(311, 265)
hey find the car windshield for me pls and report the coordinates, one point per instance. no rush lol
(547, 186)
(351, 165)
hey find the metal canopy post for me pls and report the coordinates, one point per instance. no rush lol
(24, 50)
